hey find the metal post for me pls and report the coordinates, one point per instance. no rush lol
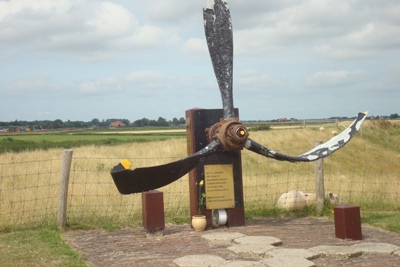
(153, 212)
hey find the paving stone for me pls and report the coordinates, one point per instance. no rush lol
(222, 236)
(199, 260)
(384, 248)
(337, 252)
(266, 240)
(293, 252)
(242, 264)
(288, 261)
(251, 249)
(130, 247)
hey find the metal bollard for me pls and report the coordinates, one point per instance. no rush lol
(153, 212)
(347, 222)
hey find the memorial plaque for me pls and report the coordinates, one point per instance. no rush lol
(220, 193)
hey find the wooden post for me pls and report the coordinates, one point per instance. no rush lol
(197, 120)
(63, 190)
(319, 181)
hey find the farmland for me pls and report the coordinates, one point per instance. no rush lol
(365, 172)
(69, 138)
(17, 142)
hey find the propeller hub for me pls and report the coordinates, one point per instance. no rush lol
(231, 133)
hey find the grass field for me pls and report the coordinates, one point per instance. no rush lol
(17, 142)
(365, 172)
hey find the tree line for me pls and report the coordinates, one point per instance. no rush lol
(144, 122)
(57, 124)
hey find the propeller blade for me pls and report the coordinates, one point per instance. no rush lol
(218, 30)
(318, 152)
(149, 178)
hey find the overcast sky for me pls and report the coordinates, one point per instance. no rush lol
(80, 60)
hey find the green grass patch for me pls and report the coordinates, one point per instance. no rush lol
(388, 220)
(30, 142)
(260, 128)
(37, 247)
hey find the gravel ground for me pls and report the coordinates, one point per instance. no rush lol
(131, 247)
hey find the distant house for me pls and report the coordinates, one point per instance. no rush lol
(282, 120)
(117, 124)
(19, 129)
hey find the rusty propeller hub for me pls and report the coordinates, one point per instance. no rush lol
(231, 133)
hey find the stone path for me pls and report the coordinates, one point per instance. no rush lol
(267, 251)
(267, 242)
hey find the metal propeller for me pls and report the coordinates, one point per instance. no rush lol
(229, 134)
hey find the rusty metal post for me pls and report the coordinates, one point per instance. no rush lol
(347, 222)
(153, 212)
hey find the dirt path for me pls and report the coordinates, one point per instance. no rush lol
(130, 247)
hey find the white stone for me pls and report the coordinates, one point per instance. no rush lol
(242, 264)
(337, 252)
(293, 252)
(376, 248)
(222, 236)
(199, 260)
(266, 240)
(288, 261)
(251, 249)
(397, 253)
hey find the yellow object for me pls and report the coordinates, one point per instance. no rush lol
(126, 163)
(219, 187)
(199, 222)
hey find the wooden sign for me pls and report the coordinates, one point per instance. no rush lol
(219, 187)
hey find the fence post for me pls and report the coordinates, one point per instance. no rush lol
(63, 190)
(319, 181)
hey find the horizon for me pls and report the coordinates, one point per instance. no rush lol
(394, 115)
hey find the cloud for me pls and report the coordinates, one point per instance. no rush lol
(334, 79)
(372, 40)
(172, 11)
(195, 46)
(151, 57)
(36, 86)
(110, 85)
(335, 29)
(87, 30)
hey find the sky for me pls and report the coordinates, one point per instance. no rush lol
(129, 59)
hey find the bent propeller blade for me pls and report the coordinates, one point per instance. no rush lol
(318, 152)
(149, 178)
(219, 36)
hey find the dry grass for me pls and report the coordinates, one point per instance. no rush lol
(364, 172)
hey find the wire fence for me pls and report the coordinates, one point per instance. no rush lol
(29, 189)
